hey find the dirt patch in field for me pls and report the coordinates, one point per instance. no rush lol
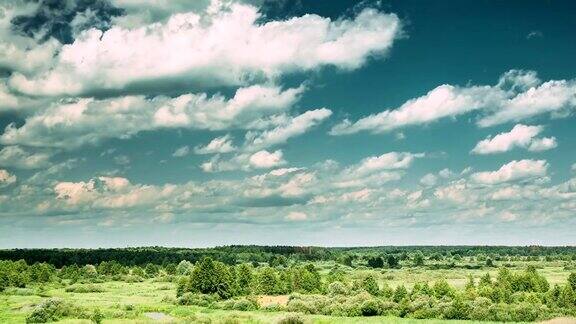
(281, 300)
(561, 320)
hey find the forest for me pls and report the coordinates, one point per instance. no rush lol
(288, 284)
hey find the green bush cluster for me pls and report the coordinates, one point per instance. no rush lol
(53, 309)
(19, 273)
(80, 289)
(214, 277)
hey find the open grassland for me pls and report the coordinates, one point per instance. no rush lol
(122, 302)
(154, 300)
(289, 285)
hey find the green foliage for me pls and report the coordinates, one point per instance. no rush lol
(375, 262)
(392, 261)
(51, 310)
(338, 288)
(572, 280)
(370, 285)
(400, 293)
(211, 277)
(292, 319)
(317, 284)
(267, 281)
(97, 316)
(418, 259)
(198, 299)
(443, 289)
(84, 289)
(244, 278)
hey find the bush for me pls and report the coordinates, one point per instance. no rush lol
(292, 319)
(372, 307)
(203, 300)
(371, 286)
(242, 304)
(51, 310)
(337, 288)
(19, 291)
(97, 316)
(245, 305)
(480, 310)
(82, 289)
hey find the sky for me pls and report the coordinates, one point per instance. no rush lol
(328, 123)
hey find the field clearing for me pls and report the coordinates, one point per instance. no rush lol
(123, 302)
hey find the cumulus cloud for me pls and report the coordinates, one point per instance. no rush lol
(108, 192)
(221, 144)
(225, 47)
(181, 151)
(265, 160)
(556, 97)
(517, 95)
(521, 136)
(513, 171)
(89, 121)
(17, 157)
(292, 127)
(6, 178)
(21, 53)
(429, 180)
(443, 101)
(244, 161)
(296, 216)
(386, 161)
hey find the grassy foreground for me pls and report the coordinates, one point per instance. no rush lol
(150, 302)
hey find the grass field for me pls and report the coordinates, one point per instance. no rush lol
(152, 301)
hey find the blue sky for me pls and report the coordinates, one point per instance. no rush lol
(126, 122)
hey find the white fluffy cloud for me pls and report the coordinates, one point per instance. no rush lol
(386, 161)
(181, 151)
(265, 160)
(557, 97)
(221, 144)
(17, 52)
(292, 127)
(17, 157)
(521, 136)
(245, 161)
(429, 180)
(513, 171)
(225, 47)
(443, 101)
(296, 216)
(518, 95)
(6, 178)
(109, 192)
(88, 121)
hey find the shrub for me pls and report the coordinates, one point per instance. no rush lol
(372, 307)
(242, 304)
(292, 319)
(19, 291)
(198, 299)
(400, 293)
(82, 289)
(52, 309)
(337, 288)
(97, 316)
(209, 277)
(480, 310)
(370, 285)
(272, 308)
